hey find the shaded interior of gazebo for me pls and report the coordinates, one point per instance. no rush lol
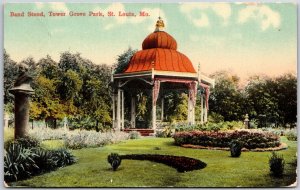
(158, 68)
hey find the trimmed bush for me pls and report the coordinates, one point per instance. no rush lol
(249, 138)
(115, 160)
(181, 163)
(236, 148)
(276, 163)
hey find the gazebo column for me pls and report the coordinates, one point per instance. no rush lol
(192, 102)
(122, 101)
(191, 111)
(205, 112)
(118, 119)
(155, 92)
(202, 109)
(114, 109)
(133, 112)
(162, 110)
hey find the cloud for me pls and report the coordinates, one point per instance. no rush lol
(54, 6)
(262, 14)
(202, 21)
(222, 10)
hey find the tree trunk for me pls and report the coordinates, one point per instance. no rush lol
(96, 127)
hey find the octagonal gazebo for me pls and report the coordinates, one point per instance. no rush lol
(159, 66)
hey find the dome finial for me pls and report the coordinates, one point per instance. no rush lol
(159, 26)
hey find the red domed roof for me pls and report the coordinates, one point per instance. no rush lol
(159, 39)
(159, 52)
(161, 60)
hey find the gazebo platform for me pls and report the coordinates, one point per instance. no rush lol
(143, 132)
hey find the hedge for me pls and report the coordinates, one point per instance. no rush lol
(249, 139)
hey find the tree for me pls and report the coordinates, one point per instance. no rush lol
(10, 75)
(226, 98)
(287, 98)
(123, 60)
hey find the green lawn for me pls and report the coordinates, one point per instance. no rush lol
(93, 170)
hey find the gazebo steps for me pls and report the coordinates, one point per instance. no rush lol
(143, 132)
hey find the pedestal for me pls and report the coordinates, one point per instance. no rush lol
(22, 94)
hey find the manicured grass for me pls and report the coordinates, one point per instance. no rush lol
(251, 169)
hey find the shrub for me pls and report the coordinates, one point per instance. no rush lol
(276, 163)
(236, 148)
(181, 163)
(63, 157)
(44, 160)
(81, 139)
(18, 162)
(25, 142)
(250, 139)
(291, 135)
(166, 132)
(114, 160)
(134, 135)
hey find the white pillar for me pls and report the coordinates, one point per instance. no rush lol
(118, 120)
(133, 114)
(113, 110)
(162, 110)
(153, 112)
(122, 98)
(205, 111)
(191, 111)
(6, 119)
(202, 111)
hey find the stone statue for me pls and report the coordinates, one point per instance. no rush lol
(24, 77)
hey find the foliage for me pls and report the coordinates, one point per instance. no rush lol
(291, 135)
(221, 126)
(76, 139)
(123, 60)
(26, 142)
(226, 99)
(134, 135)
(236, 148)
(272, 100)
(166, 132)
(18, 162)
(81, 139)
(249, 139)
(181, 163)
(114, 160)
(276, 163)
(44, 160)
(63, 157)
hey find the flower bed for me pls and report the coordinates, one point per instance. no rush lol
(250, 139)
(181, 163)
(77, 139)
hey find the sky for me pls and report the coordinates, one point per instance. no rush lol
(245, 39)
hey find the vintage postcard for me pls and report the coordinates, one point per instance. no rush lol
(193, 94)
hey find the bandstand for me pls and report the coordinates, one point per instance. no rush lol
(159, 67)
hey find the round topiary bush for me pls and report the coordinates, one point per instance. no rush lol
(276, 163)
(236, 148)
(114, 160)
